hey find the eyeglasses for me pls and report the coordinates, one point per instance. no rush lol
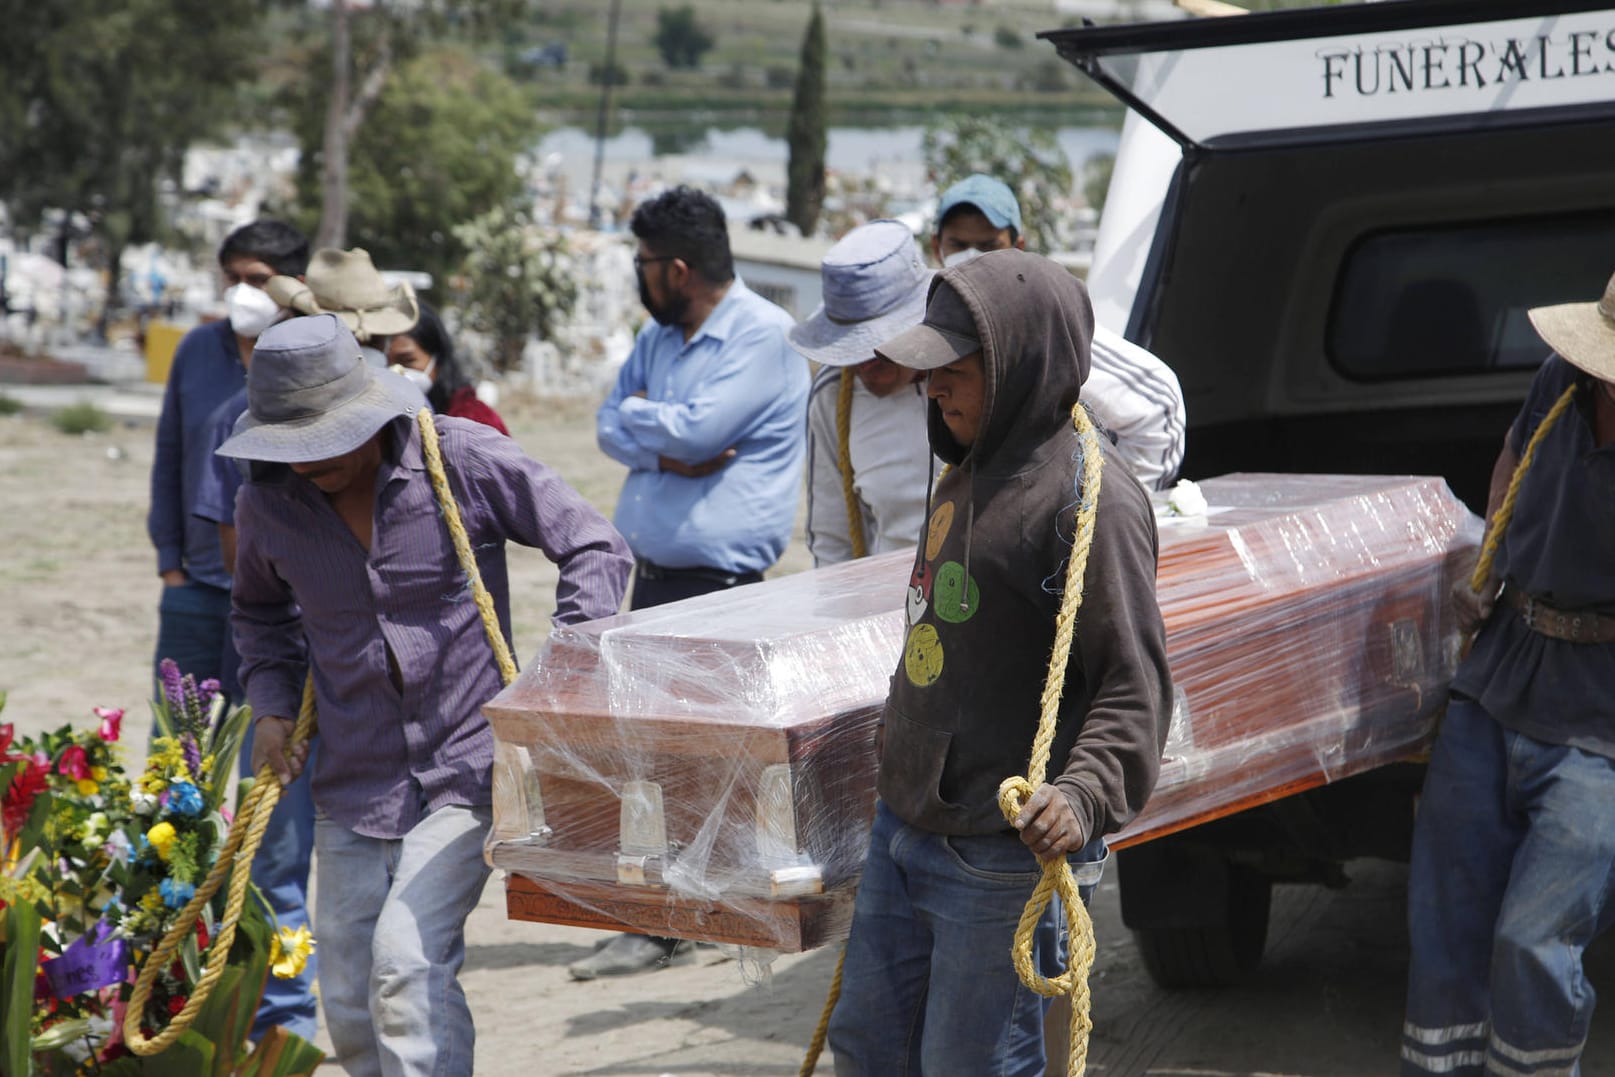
(641, 263)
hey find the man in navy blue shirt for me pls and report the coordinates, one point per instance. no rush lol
(1513, 869)
(208, 368)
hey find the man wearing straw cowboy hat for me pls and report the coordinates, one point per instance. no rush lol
(1513, 869)
(346, 566)
(346, 284)
(861, 406)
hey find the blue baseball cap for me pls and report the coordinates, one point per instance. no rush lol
(991, 196)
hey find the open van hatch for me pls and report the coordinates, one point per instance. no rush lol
(1362, 203)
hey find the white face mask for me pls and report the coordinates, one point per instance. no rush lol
(959, 258)
(251, 310)
(418, 378)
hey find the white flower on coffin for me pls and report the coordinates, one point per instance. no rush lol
(1186, 499)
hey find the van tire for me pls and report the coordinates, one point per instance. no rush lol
(1213, 955)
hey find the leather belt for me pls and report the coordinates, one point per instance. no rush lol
(649, 570)
(1544, 620)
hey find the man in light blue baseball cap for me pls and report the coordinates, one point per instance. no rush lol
(976, 215)
(1134, 395)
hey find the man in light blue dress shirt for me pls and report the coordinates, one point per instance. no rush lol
(709, 414)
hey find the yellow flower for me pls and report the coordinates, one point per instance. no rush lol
(151, 900)
(162, 838)
(288, 951)
(98, 773)
(87, 788)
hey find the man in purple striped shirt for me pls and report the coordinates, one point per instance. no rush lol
(345, 565)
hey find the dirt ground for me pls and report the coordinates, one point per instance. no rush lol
(78, 598)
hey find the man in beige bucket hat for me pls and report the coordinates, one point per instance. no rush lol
(1513, 868)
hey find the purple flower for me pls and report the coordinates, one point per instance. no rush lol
(207, 690)
(193, 754)
(173, 691)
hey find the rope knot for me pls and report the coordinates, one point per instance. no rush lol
(1013, 793)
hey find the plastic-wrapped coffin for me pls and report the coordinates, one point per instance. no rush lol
(706, 769)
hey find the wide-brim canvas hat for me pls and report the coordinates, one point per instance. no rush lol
(1583, 333)
(874, 285)
(311, 395)
(347, 284)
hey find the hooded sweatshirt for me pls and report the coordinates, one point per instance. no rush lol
(990, 572)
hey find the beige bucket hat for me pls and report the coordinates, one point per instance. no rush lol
(346, 283)
(1584, 333)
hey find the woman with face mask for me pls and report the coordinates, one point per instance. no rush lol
(425, 355)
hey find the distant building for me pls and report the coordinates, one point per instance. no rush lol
(783, 269)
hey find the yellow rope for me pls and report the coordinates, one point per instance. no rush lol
(462, 548)
(1013, 792)
(1505, 511)
(855, 512)
(242, 844)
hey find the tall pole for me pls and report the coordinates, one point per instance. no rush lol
(607, 78)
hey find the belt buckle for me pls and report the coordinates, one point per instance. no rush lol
(1528, 612)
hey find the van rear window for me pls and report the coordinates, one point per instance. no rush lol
(1452, 300)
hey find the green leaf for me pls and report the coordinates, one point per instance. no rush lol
(189, 1056)
(17, 979)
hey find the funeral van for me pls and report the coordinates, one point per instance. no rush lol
(1331, 223)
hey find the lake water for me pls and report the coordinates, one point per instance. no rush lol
(697, 154)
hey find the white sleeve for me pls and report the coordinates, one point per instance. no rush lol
(1138, 398)
(892, 461)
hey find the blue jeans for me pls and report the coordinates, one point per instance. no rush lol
(392, 918)
(280, 871)
(193, 621)
(928, 986)
(1512, 877)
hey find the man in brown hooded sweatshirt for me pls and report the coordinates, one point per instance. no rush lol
(928, 984)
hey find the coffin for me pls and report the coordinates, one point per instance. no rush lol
(706, 769)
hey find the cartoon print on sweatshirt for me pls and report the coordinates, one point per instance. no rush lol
(936, 532)
(955, 593)
(919, 592)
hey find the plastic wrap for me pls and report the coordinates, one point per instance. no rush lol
(706, 769)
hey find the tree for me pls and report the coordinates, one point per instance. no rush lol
(680, 39)
(100, 101)
(391, 31)
(516, 279)
(804, 134)
(1030, 161)
(438, 149)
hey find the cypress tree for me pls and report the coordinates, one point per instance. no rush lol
(804, 189)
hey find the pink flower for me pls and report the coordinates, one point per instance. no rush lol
(6, 734)
(111, 719)
(74, 763)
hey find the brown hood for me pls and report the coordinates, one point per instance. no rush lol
(1036, 325)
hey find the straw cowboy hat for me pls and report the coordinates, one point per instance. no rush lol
(346, 284)
(311, 395)
(1583, 333)
(874, 288)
